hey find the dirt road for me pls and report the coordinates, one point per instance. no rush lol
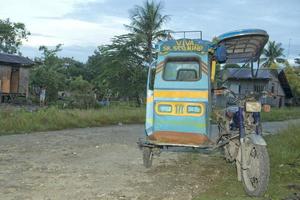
(98, 163)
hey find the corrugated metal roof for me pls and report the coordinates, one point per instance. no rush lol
(245, 73)
(15, 60)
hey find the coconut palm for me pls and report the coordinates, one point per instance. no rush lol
(273, 53)
(146, 24)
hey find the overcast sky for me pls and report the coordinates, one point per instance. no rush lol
(82, 25)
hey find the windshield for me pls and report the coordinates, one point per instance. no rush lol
(181, 71)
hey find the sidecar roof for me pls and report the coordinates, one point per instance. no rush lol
(243, 45)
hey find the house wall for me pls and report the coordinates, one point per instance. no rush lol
(16, 86)
(243, 86)
(24, 80)
(278, 96)
(5, 76)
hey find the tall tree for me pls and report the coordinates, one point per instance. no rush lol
(118, 68)
(146, 23)
(273, 52)
(11, 36)
(47, 74)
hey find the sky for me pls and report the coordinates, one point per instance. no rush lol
(82, 25)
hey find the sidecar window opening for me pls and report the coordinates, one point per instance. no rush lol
(182, 70)
(186, 74)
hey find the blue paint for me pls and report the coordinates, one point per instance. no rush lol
(204, 51)
(241, 33)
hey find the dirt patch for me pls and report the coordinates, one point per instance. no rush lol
(97, 163)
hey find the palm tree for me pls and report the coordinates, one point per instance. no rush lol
(273, 53)
(146, 24)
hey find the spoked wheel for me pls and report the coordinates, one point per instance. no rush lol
(147, 157)
(255, 177)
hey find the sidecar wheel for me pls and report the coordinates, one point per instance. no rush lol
(147, 157)
(256, 176)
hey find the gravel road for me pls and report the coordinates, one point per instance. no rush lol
(99, 163)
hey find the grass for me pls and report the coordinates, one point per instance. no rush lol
(284, 152)
(21, 121)
(280, 114)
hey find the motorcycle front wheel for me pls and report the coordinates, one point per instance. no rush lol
(255, 176)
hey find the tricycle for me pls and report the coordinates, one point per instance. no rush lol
(179, 104)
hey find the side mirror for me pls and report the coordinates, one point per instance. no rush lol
(221, 54)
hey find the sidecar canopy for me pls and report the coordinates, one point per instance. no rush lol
(243, 46)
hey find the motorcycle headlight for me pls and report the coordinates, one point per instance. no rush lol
(253, 106)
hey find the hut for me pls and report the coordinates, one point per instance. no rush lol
(273, 81)
(14, 76)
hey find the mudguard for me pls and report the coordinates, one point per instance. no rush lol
(257, 139)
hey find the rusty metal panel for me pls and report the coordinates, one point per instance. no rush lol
(179, 137)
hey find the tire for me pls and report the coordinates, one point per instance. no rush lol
(256, 178)
(147, 157)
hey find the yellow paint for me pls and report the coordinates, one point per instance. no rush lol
(180, 94)
(149, 120)
(213, 70)
(180, 109)
(183, 45)
(150, 99)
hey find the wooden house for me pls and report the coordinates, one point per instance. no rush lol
(14, 76)
(240, 81)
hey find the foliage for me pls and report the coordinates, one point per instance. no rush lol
(146, 24)
(293, 77)
(80, 85)
(61, 74)
(48, 78)
(11, 36)
(55, 119)
(119, 67)
(82, 94)
(273, 52)
(47, 73)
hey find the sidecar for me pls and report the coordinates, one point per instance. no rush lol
(179, 103)
(180, 81)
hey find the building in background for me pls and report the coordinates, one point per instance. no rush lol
(274, 82)
(14, 77)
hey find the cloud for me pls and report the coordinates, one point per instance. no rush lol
(77, 52)
(87, 23)
(95, 11)
(75, 32)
